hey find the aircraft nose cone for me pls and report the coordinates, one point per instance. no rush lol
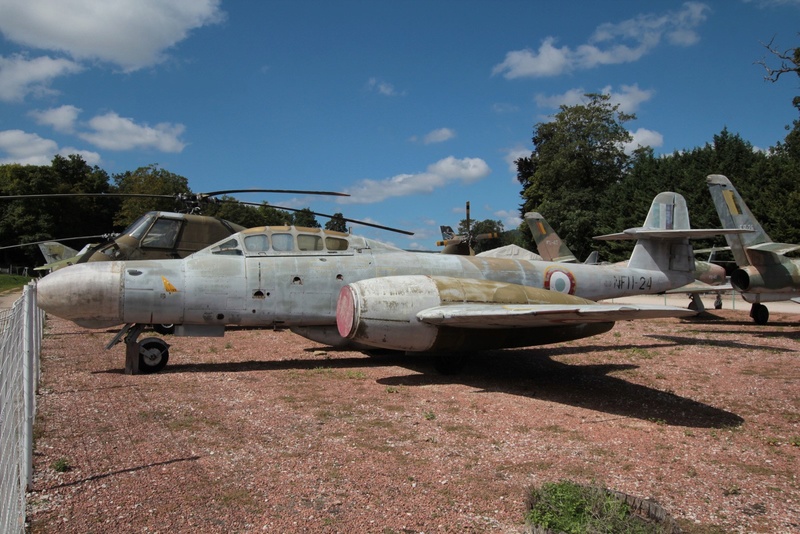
(87, 294)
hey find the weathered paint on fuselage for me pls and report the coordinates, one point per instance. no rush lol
(236, 286)
(233, 284)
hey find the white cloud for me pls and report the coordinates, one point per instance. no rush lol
(61, 119)
(113, 132)
(30, 149)
(511, 157)
(510, 219)
(573, 97)
(439, 136)
(610, 44)
(642, 138)
(382, 87)
(130, 33)
(629, 98)
(20, 76)
(439, 174)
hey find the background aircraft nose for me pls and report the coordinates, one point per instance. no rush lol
(87, 294)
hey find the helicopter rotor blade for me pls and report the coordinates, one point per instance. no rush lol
(329, 216)
(104, 236)
(289, 191)
(59, 195)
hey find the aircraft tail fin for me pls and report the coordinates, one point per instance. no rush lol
(447, 233)
(734, 213)
(593, 259)
(549, 245)
(54, 251)
(662, 244)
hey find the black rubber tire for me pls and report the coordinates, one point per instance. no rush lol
(153, 355)
(760, 314)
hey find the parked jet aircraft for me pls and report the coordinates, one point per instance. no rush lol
(709, 277)
(346, 290)
(764, 273)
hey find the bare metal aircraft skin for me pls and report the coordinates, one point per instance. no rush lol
(344, 289)
(765, 274)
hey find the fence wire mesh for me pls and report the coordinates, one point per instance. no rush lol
(20, 345)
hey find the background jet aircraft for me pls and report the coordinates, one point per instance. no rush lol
(764, 273)
(709, 277)
(346, 290)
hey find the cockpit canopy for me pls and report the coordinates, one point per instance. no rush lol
(287, 240)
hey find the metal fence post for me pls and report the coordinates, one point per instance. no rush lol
(29, 377)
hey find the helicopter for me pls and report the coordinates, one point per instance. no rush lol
(462, 245)
(174, 235)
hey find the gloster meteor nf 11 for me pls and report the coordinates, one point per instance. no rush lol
(349, 291)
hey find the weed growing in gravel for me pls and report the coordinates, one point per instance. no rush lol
(430, 416)
(639, 352)
(61, 465)
(733, 489)
(355, 375)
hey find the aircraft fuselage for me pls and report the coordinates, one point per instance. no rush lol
(236, 283)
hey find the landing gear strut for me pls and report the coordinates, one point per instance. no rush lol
(759, 313)
(147, 356)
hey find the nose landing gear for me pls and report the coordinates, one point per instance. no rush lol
(147, 356)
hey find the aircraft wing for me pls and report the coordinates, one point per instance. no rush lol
(488, 316)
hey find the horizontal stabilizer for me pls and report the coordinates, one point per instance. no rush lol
(537, 315)
(647, 233)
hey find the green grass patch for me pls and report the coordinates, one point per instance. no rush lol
(13, 281)
(571, 508)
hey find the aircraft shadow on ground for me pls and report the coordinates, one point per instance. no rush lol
(531, 373)
(535, 374)
(731, 344)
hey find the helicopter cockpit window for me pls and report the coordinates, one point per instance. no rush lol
(139, 226)
(163, 234)
(229, 247)
(256, 243)
(309, 242)
(283, 242)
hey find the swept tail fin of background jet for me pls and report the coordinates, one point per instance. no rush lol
(734, 213)
(54, 251)
(548, 244)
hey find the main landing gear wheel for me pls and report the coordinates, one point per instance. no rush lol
(759, 313)
(164, 329)
(153, 355)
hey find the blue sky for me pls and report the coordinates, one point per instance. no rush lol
(412, 107)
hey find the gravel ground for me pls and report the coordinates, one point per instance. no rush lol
(263, 431)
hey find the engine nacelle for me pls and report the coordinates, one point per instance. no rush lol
(382, 312)
(774, 279)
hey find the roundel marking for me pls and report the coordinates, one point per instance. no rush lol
(559, 280)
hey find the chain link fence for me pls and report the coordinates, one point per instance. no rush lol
(20, 345)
